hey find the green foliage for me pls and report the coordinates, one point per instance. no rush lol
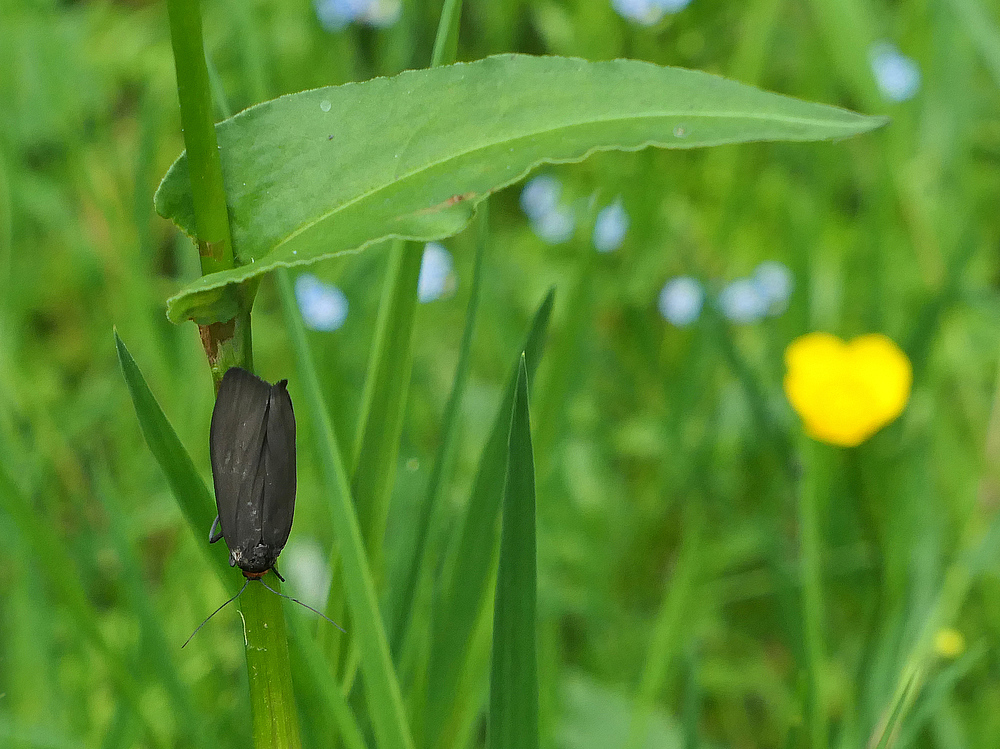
(691, 590)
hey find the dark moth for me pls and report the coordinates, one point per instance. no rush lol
(252, 443)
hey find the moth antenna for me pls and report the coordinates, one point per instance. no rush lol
(305, 605)
(245, 583)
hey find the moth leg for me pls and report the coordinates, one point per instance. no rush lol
(275, 571)
(214, 536)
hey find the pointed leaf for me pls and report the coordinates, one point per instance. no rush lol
(194, 498)
(513, 718)
(329, 171)
(470, 564)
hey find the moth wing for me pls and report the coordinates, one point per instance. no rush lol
(279, 468)
(236, 442)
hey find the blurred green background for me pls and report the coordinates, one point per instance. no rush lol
(661, 449)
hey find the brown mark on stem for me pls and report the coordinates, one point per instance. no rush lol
(213, 335)
(214, 250)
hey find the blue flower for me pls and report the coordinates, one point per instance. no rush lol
(681, 300)
(610, 227)
(437, 274)
(743, 301)
(775, 283)
(555, 227)
(540, 196)
(551, 222)
(897, 76)
(647, 12)
(334, 15)
(323, 306)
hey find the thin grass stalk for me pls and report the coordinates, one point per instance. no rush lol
(226, 343)
(815, 479)
(385, 701)
(428, 522)
(229, 344)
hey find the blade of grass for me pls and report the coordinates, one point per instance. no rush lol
(385, 701)
(384, 400)
(331, 714)
(445, 49)
(937, 694)
(983, 31)
(815, 479)
(469, 565)
(513, 716)
(425, 546)
(194, 498)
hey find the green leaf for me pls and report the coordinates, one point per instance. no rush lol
(385, 700)
(513, 717)
(330, 171)
(185, 482)
(469, 566)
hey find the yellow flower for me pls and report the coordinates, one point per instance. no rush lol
(949, 642)
(845, 392)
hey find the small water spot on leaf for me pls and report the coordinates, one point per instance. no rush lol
(325, 105)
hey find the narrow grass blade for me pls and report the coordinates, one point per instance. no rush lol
(185, 482)
(384, 399)
(513, 717)
(325, 709)
(385, 701)
(983, 32)
(425, 546)
(815, 480)
(446, 41)
(470, 563)
(937, 693)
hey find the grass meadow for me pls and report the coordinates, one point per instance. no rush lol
(707, 574)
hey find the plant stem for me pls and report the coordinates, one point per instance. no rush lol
(815, 479)
(227, 343)
(272, 700)
(214, 243)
